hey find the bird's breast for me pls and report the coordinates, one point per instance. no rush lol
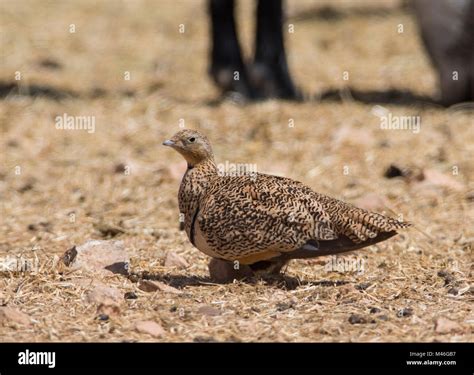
(201, 242)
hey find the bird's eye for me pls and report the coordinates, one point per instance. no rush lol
(192, 139)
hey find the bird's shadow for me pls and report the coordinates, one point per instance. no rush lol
(176, 281)
(281, 281)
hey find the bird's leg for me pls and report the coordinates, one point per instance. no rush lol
(268, 267)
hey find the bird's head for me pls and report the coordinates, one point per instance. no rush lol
(194, 146)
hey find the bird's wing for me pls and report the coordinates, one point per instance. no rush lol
(245, 215)
(266, 216)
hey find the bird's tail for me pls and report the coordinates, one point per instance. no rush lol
(343, 244)
(361, 225)
(357, 228)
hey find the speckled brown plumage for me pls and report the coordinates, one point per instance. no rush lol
(257, 217)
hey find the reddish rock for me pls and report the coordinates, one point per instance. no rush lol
(444, 325)
(433, 178)
(150, 327)
(108, 308)
(175, 260)
(352, 135)
(371, 202)
(222, 271)
(13, 315)
(104, 257)
(104, 294)
(209, 311)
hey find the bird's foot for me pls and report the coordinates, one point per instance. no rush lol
(224, 272)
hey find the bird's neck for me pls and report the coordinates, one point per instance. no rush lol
(196, 178)
(205, 167)
(193, 187)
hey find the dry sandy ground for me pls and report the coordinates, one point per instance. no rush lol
(57, 186)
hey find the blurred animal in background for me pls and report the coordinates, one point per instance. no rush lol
(267, 76)
(446, 28)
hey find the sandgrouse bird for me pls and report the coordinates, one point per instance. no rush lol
(263, 221)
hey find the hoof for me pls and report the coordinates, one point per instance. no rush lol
(224, 79)
(271, 81)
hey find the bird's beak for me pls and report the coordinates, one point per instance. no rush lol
(168, 142)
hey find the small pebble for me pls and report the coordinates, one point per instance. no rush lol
(130, 295)
(103, 317)
(407, 311)
(375, 310)
(282, 306)
(447, 276)
(357, 319)
(453, 291)
(362, 286)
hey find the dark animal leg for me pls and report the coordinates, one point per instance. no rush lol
(269, 74)
(455, 91)
(447, 30)
(227, 68)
